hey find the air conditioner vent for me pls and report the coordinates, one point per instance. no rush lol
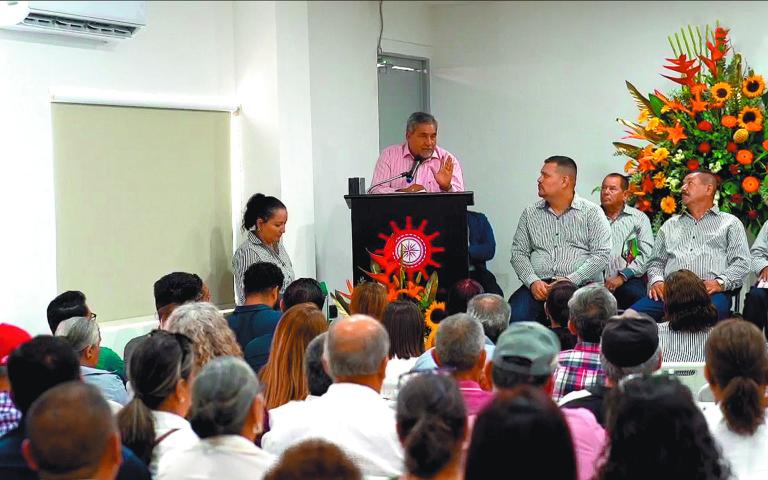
(63, 24)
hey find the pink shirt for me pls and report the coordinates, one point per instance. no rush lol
(475, 398)
(588, 439)
(397, 159)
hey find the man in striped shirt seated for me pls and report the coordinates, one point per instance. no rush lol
(560, 236)
(710, 243)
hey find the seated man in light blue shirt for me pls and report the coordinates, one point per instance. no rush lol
(83, 335)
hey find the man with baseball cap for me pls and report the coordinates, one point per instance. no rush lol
(526, 354)
(629, 345)
(10, 338)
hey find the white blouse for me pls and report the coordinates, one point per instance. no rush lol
(182, 438)
(747, 454)
(229, 457)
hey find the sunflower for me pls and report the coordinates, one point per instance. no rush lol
(432, 326)
(668, 205)
(751, 119)
(721, 91)
(753, 86)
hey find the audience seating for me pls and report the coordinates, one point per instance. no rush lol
(690, 374)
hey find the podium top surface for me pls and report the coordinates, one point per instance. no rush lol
(468, 195)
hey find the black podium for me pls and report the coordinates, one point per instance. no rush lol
(424, 232)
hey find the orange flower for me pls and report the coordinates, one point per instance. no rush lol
(753, 86)
(729, 121)
(647, 184)
(765, 144)
(750, 184)
(630, 167)
(676, 133)
(741, 135)
(751, 119)
(646, 164)
(721, 91)
(643, 205)
(668, 205)
(744, 157)
(659, 180)
(693, 164)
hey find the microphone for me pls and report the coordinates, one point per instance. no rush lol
(417, 159)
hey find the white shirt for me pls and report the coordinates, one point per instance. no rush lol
(747, 454)
(395, 367)
(182, 438)
(230, 457)
(355, 418)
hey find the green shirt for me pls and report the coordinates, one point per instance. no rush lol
(111, 362)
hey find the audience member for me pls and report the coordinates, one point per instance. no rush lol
(737, 371)
(528, 426)
(590, 307)
(206, 327)
(170, 291)
(352, 413)
(72, 304)
(459, 346)
(482, 248)
(460, 294)
(11, 337)
(315, 459)
(709, 242)
(492, 312)
(227, 414)
(71, 434)
(256, 320)
(526, 355)
(432, 426)
(656, 431)
(302, 290)
(264, 221)
(84, 336)
(629, 345)
(405, 325)
(689, 317)
(556, 311)
(283, 375)
(34, 368)
(369, 298)
(160, 371)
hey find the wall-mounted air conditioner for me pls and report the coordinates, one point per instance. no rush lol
(96, 20)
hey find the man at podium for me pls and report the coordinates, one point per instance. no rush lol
(418, 164)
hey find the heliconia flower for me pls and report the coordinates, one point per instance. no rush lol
(704, 126)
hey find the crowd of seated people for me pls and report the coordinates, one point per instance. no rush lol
(278, 391)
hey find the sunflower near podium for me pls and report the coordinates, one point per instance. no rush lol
(714, 121)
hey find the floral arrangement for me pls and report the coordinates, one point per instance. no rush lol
(714, 121)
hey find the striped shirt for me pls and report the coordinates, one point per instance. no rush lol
(713, 247)
(575, 245)
(681, 346)
(578, 369)
(253, 250)
(397, 159)
(9, 415)
(632, 243)
(760, 250)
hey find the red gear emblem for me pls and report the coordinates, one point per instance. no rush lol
(411, 247)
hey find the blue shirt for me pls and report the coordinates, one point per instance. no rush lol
(427, 362)
(254, 326)
(108, 383)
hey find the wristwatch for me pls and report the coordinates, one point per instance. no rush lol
(721, 282)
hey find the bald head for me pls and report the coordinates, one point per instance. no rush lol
(356, 346)
(699, 189)
(71, 434)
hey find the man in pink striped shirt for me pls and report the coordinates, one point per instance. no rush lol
(437, 169)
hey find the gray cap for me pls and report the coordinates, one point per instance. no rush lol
(528, 348)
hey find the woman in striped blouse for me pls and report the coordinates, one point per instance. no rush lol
(689, 316)
(264, 220)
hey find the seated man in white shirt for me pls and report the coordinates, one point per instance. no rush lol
(351, 414)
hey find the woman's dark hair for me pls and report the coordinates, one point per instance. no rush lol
(262, 207)
(557, 302)
(527, 424)
(154, 369)
(656, 431)
(687, 305)
(405, 325)
(460, 294)
(431, 423)
(738, 364)
(314, 459)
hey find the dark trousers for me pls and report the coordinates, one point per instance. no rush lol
(756, 306)
(633, 290)
(655, 309)
(525, 308)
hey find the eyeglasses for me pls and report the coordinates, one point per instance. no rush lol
(93, 316)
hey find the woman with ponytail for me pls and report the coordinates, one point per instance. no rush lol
(737, 371)
(160, 371)
(432, 425)
(264, 221)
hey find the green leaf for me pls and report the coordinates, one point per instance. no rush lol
(730, 187)
(640, 100)
(656, 105)
(430, 291)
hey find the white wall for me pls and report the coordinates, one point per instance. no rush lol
(190, 57)
(516, 82)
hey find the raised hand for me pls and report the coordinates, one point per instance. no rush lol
(445, 173)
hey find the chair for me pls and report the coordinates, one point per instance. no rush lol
(690, 374)
(735, 297)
